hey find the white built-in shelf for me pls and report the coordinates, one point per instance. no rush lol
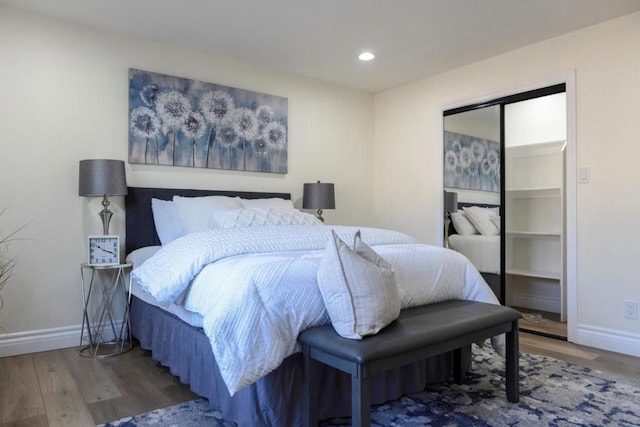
(534, 222)
(539, 149)
(521, 193)
(533, 234)
(553, 275)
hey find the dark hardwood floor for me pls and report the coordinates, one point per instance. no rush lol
(60, 388)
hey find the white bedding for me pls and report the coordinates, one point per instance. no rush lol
(256, 288)
(137, 258)
(482, 251)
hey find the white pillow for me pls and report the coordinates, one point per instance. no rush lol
(167, 220)
(358, 288)
(252, 217)
(273, 203)
(195, 211)
(496, 221)
(461, 224)
(481, 220)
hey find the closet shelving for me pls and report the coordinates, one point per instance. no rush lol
(534, 225)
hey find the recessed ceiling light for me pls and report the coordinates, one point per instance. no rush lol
(366, 56)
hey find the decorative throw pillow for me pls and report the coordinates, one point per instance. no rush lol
(167, 220)
(272, 203)
(358, 288)
(461, 224)
(195, 211)
(253, 217)
(481, 220)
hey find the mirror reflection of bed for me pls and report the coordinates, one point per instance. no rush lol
(483, 250)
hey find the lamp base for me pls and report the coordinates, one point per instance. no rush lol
(447, 221)
(319, 215)
(105, 214)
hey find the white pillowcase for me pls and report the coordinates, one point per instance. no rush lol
(496, 221)
(195, 211)
(461, 224)
(358, 288)
(167, 220)
(252, 217)
(481, 220)
(273, 203)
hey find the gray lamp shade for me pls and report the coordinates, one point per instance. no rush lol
(450, 201)
(100, 177)
(318, 196)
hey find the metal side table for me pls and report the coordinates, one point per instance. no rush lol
(105, 331)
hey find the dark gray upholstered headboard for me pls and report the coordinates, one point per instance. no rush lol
(140, 228)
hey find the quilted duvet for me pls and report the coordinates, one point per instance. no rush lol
(256, 287)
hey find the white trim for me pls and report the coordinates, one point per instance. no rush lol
(14, 344)
(571, 210)
(440, 180)
(536, 302)
(609, 339)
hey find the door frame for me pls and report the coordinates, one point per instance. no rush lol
(570, 270)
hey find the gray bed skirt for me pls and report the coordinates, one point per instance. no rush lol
(275, 400)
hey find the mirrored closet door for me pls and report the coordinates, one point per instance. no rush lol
(504, 162)
(472, 172)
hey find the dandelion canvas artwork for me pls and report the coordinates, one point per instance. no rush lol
(181, 122)
(471, 163)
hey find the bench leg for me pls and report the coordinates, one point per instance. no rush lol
(309, 398)
(458, 368)
(360, 399)
(513, 364)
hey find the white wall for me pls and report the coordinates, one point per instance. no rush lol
(536, 120)
(408, 159)
(63, 98)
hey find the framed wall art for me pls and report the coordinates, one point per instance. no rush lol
(471, 163)
(181, 122)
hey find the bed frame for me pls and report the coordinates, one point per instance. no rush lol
(276, 399)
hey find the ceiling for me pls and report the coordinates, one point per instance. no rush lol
(320, 39)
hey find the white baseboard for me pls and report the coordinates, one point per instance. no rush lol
(17, 343)
(609, 339)
(14, 344)
(536, 302)
(56, 338)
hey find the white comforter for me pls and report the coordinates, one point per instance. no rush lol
(256, 287)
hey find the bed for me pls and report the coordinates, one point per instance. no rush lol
(181, 339)
(483, 250)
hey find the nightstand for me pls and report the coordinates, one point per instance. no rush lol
(106, 323)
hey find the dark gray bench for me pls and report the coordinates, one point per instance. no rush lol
(418, 333)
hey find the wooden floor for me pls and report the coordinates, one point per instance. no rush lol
(60, 388)
(542, 322)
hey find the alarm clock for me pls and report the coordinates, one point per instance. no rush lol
(104, 250)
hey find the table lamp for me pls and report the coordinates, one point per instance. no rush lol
(318, 196)
(103, 177)
(450, 205)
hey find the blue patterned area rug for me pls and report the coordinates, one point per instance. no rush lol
(552, 393)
